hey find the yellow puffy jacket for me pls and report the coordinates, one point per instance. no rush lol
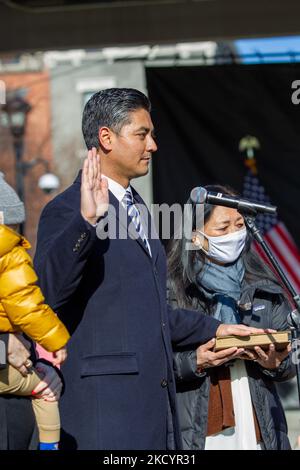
(22, 307)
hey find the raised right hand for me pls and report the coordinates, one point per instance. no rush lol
(94, 189)
(207, 358)
(18, 352)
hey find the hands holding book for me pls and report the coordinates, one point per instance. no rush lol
(206, 357)
(269, 359)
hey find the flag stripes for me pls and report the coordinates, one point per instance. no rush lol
(275, 233)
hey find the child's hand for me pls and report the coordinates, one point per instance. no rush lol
(60, 356)
(18, 352)
(50, 386)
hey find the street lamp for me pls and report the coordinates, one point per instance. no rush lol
(16, 110)
(14, 116)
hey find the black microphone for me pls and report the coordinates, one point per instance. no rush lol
(200, 196)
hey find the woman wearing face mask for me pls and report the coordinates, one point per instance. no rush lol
(228, 405)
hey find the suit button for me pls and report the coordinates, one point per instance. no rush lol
(155, 272)
(163, 324)
(164, 383)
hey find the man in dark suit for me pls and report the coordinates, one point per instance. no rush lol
(111, 291)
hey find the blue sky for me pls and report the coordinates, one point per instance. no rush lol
(270, 45)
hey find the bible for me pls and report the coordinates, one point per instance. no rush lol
(280, 339)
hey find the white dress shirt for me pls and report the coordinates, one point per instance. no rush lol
(117, 189)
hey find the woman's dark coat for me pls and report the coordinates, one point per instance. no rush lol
(262, 305)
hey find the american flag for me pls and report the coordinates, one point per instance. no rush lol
(274, 231)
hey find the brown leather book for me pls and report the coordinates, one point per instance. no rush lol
(281, 339)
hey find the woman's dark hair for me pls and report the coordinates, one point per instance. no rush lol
(110, 108)
(181, 261)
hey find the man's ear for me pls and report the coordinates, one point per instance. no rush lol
(105, 138)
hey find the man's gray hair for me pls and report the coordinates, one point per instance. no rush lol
(110, 108)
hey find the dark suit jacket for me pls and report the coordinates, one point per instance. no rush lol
(112, 297)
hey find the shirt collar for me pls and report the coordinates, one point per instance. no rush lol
(117, 189)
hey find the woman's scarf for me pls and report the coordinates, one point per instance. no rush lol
(222, 285)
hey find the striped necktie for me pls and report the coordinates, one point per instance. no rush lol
(136, 218)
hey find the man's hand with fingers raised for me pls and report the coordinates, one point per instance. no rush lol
(94, 189)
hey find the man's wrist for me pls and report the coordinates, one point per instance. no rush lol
(91, 221)
(95, 221)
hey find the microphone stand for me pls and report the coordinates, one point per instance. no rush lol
(293, 318)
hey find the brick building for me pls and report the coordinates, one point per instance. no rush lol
(35, 88)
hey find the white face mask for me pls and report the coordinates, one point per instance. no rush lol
(226, 248)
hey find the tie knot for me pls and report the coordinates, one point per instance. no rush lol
(128, 198)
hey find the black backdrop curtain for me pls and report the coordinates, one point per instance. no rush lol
(201, 113)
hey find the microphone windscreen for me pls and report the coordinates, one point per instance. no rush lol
(198, 195)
